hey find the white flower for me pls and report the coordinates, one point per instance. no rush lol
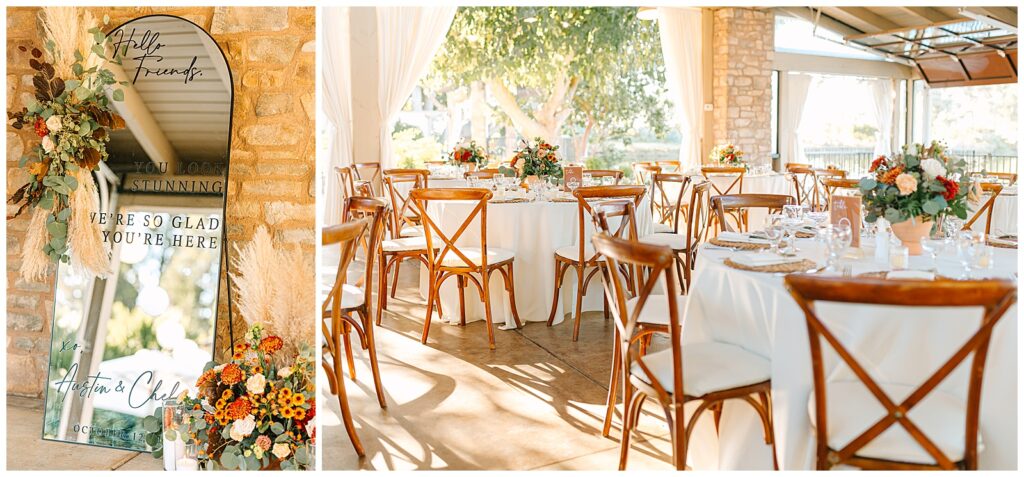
(281, 450)
(242, 428)
(48, 144)
(284, 372)
(933, 168)
(219, 367)
(54, 124)
(256, 384)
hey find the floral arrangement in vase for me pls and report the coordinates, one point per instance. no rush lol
(727, 155)
(73, 116)
(539, 159)
(914, 189)
(469, 154)
(255, 411)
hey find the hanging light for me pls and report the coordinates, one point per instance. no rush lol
(647, 13)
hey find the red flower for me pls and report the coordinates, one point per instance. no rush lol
(951, 188)
(41, 129)
(878, 162)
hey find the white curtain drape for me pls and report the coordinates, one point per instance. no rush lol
(407, 37)
(883, 90)
(681, 46)
(797, 88)
(337, 103)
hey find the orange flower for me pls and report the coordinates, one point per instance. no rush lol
(889, 177)
(298, 399)
(239, 409)
(288, 413)
(300, 414)
(271, 344)
(208, 418)
(878, 162)
(39, 169)
(232, 374)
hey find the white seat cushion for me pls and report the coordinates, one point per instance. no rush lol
(655, 310)
(572, 252)
(412, 231)
(351, 296)
(676, 241)
(710, 366)
(404, 244)
(494, 255)
(852, 409)
(660, 228)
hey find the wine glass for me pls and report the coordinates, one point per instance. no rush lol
(844, 232)
(773, 231)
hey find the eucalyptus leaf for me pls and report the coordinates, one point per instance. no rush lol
(277, 428)
(866, 184)
(893, 216)
(72, 84)
(229, 460)
(82, 93)
(57, 229)
(158, 453)
(149, 423)
(63, 216)
(170, 434)
(118, 95)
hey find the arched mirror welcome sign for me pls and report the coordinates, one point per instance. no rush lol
(123, 344)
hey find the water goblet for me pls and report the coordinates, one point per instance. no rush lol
(773, 231)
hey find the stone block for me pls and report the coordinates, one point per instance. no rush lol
(248, 19)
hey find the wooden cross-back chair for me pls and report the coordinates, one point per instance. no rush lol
(804, 186)
(404, 219)
(660, 375)
(722, 205)
(581, 257)
(447, 259)
(736, 173)
(821, 196)
(685, 242)
(346, 235)
(481, 174)
(601, 174)
(346, 176)
(642, 171)
(669, 166)
(667, 203)
(369, 172)
(986, 209)
(830, 186)
(849, 441)
(1009, 177)
(790, 166)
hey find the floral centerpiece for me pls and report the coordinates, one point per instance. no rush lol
(914, 189)
(72, 114)
(538, 159)
(254, 412)
(727, 155)
(468, 154)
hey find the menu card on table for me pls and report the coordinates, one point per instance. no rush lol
(571, 174)
(848, 207)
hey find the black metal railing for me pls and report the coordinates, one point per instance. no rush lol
(857, 160)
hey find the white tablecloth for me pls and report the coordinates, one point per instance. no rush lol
(752, 184)
(755, 311)
(1004, 215)
(533, 230)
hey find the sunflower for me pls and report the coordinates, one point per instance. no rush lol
(288, 412)
(300, 414)
(298, 399)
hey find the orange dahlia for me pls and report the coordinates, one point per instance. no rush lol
(271, 344)
(205, 378)
(889, 177)
(232, 374)
(878, 162)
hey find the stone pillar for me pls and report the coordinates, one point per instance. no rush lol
(743, 45)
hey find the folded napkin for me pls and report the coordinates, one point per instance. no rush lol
(910, 275)
(761, 259)
(740, 238)
(1001, 241)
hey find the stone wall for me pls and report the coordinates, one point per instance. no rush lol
(743, 45)
(271, 180)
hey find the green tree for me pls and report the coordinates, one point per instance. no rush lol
(584, 71)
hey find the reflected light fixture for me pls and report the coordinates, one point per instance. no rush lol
(647, 13)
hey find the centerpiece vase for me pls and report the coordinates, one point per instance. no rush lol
(910, 232)
(471, 166)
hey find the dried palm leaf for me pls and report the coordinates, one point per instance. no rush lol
(84, 236)
(34, 262)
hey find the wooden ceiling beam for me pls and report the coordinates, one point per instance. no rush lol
(926, 14)
(863, 19)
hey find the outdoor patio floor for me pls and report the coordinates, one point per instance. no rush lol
(536, 402)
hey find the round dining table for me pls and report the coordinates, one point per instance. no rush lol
(532, 230)
(1004, 213)
(897, 346)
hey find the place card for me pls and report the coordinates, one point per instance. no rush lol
(571, 174)
(848, 207)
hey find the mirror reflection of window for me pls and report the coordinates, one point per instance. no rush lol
(121, 345)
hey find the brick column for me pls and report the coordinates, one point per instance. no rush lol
(743, 46)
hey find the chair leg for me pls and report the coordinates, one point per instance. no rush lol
(394, 281)
(560, 269)
(462, 299)
(382, 292)
(347, 342)
(511, 287)
(486, 279)
(430, 308)
(613, 381)
(629, 408)
(346, 413)
(371, 349)
(580, 270)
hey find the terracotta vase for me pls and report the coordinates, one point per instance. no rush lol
(471, 166)
(910, 232)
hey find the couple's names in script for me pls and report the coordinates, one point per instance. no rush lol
(141, 391)
(144, 47)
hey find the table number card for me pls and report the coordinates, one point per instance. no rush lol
(848, 207)
(572, 174)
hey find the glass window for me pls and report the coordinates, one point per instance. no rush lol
(775, 112)
(978, 123)
(795, 35)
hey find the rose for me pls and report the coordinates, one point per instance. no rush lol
(48, 144)
(952, 188)
(256, 384)
(242, 428)
(54, 123)
(933, 168)
(906, 183)
(283, 373)
(263, 443)
(281, 450)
